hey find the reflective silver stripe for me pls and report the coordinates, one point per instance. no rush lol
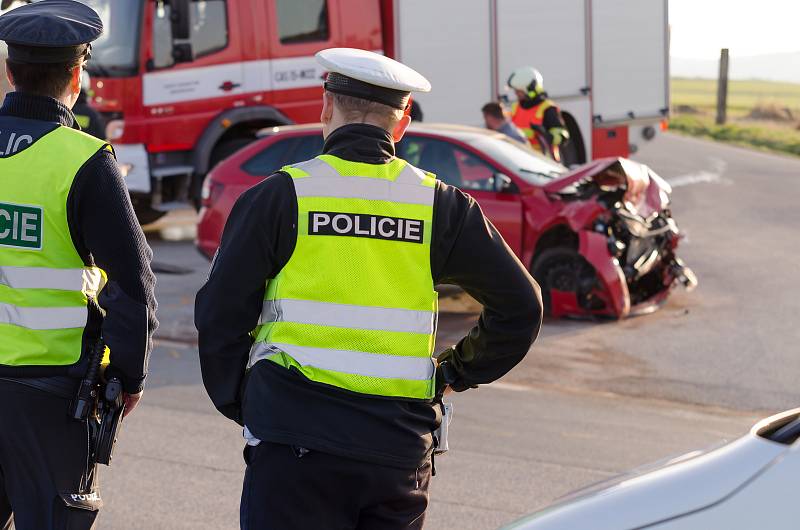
(411, 175)
(42, 318)
(325, 181)
(317, 168)
(93, 281)
(364, 188)
(350, 362)
(348, 316)
(85, 280)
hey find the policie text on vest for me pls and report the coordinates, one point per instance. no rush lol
(14, 144)
(20, 226)
(365, 225)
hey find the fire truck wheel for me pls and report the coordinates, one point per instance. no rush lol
(145, 213)
(574, 152)
(221, 151)
(225, 149)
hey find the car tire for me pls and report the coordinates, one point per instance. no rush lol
(563, 268)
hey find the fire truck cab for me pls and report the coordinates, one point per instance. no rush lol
(185, 84)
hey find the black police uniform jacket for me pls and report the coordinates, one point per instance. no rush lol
(281, 406)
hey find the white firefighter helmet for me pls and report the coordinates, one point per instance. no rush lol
(527, 79)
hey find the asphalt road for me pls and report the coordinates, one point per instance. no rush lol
(732, 342)
(590, 401)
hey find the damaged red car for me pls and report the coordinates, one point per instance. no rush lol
(600, 239)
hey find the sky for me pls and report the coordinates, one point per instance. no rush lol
(699, 28)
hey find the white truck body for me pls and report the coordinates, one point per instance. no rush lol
(606, 62)
(630, 60)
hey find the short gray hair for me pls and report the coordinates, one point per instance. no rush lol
(360, 110)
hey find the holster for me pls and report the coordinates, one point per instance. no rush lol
(110, 409)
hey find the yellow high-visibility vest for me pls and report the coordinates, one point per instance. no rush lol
(44, 283)
(355, 306)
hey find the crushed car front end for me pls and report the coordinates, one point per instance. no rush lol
(626, 241)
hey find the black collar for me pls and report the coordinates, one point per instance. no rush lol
(35, 107)
(360, 142)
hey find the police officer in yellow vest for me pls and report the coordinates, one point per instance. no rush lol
(68, 235)
(318, 320)
(536, 114)
(90, 121)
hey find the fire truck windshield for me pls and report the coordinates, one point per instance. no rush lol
(116, 52)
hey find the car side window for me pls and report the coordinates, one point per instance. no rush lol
(302, 21)
(475, 173)
(451, 164)
(271, 159)
(209, 30)
(431, 155)
(306, 148)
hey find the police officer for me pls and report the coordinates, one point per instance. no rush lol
(68, 235)
(537, 115)
(317, 322)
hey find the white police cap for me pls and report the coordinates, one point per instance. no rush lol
(371, 76)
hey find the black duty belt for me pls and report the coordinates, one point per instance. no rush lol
(61, 386)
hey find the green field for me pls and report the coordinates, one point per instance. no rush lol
(761, 114)
(742, 95)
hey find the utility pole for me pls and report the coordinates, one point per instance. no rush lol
(722, 87)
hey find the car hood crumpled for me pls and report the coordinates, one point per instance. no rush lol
(646, 192)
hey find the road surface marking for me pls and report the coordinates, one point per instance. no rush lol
(500, 385)
(712, 175)
(167, 343)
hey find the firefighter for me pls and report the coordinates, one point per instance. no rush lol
(537, 115)
(68, 237)
(317, 322)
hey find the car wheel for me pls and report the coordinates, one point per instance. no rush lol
(564, 269)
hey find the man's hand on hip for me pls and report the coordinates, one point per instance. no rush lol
(131, 401)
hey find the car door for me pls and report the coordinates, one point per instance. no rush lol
(466, 170)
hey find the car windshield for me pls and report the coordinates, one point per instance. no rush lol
(528, 165)
(116, 52)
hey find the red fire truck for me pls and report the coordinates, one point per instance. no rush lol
(185, 83)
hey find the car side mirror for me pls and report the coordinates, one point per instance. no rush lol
(180, 19)
(504, 184)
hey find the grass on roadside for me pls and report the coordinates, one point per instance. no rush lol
(764, 136)
(761, 114)
(742, 95)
